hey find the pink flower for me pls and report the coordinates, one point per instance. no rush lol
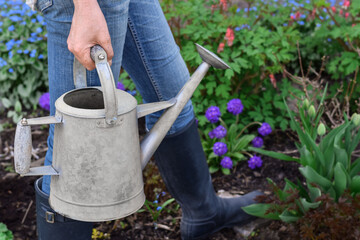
(346, 3)
(341, 12)
(221, 47)
(333, 9)
(229, 36)
(223, 3)
(346, 15)
(213, 7)
(353, 25)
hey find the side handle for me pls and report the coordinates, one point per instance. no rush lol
(23, 144)
(22, 148)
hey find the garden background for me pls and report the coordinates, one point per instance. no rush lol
(283, 119)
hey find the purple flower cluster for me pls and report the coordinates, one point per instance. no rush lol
(265, 129)
(120, 86)
(44, 101)
(257, 142)
(255, 162)
(220, 148)
(213, 114)
(235, 106)
(226, 163)
(219, 132)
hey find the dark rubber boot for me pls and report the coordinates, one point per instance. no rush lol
(53, 226)
(182, 164)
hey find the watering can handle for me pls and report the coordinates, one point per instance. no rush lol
(103, 69)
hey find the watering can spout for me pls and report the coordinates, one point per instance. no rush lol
(153, 138)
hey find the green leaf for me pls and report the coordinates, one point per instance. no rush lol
(341, 156)
(275, 155)
(18, 107)
(355, 168)
(6, 102)
(213, 169)
(288, 217)
(355, 184)
(313, 177)
(238, 156)
(225, 171)
(243, 142)
(340, 179)
(307, 205)
(314, 192)
(262, 210)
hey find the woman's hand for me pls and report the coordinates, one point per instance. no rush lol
(88, 28)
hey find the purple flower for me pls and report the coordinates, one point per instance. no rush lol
(255, 162)
(226, 163)
(213, 114)
(44, 101)
(257, 142)
(120, 86)
(211, 134)
(220, 148)
(219, 132)
(265, 129)
(235, 106)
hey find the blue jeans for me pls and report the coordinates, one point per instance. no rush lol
(143, 45)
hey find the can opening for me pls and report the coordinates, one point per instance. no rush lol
(86, 98)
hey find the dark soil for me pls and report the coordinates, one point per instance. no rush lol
(17, 200)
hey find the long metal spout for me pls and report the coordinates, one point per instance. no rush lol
(153, 138)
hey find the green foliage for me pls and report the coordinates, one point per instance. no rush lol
(325, 161)
(155, 209)
(234, 134)
(23, 57)
(5, 233)
(259, 43)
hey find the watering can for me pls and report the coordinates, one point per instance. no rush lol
(96, 173)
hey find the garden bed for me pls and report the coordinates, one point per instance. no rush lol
(17, 202)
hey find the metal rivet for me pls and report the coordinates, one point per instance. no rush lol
(24, 121)
(101, 56)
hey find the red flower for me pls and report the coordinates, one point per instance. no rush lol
(229, 36)
(297, 15)
(341, 12)
(346, 15)
(333, 9)
(221, 47)
(272, 80)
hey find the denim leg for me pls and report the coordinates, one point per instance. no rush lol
(58, 16)
(153, 60)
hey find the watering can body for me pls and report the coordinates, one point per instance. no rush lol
(100, 176)
(97, 157)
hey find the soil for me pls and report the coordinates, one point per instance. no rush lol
(17, 199)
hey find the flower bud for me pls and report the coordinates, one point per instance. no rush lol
(306, 103)
(312, 111)
(321, 130)
(355, 118)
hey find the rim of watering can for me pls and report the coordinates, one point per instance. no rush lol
(126, 103)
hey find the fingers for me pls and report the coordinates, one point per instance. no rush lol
(82, 54)
(88, 28)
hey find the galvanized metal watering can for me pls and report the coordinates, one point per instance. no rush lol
(96, 174)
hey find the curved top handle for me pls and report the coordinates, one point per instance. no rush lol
(103, 69)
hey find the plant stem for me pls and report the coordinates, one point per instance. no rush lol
(250, 124)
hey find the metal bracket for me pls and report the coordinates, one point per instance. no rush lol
(146, 109)
(39, 171)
